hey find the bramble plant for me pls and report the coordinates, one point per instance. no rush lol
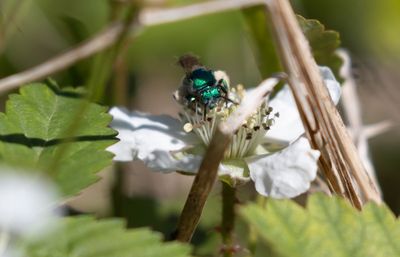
(277, 137)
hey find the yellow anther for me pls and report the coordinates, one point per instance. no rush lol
(188, 127)
(239, 87)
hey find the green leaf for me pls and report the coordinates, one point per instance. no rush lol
(328, 226)
(323, 42)
(83, 236)
(44, 112)
(57, 132)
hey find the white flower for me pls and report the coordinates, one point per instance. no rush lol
(26, 204)
(27, 208)
(267, 149)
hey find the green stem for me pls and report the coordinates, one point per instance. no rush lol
(228, 218)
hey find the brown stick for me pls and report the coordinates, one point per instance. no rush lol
(324, 127)
(63, 61)
(208, 171)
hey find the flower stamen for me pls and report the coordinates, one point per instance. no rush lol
(248, 136)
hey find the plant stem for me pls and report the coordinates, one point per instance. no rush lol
(201, 187)
(228, 218)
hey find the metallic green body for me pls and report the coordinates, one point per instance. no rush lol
(206, 89)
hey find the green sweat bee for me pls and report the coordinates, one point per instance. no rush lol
(201, 87)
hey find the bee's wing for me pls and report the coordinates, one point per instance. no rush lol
(189, 62)
(184, 91)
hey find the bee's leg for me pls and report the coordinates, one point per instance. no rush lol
(223, 89)
(205, 113)
(230, 100)
(197, 111)
(220, 84)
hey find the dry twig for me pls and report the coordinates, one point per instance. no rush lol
(324, 128)
(63, 61)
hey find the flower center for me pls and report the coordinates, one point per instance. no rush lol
(246, 138)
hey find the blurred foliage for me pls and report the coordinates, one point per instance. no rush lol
(323, 42)
(163, 216)
(154, 53)
(328, 226)
(366, 26)
(83, 236)
(265, 54)
(35, 132)
(385, 149)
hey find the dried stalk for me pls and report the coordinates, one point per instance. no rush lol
(207, 174)
(86, 49)
(151, 16)
(324, 127)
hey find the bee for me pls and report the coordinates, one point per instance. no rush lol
(202, 87)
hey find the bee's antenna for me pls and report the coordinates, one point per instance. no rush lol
(189, 62)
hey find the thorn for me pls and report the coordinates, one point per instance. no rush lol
(377, 128)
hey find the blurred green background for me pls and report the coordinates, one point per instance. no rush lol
(144, 77)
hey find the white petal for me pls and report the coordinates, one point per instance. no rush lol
(331, 83)
(154, 139)
(166, 161)
(288, 127)
(287, 173)
(26, 204)
(234, 172)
